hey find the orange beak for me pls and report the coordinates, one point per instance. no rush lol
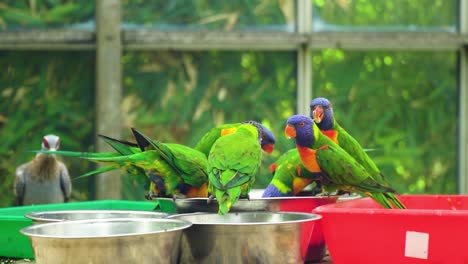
(268, 148)
(290, 131)
(317, 114)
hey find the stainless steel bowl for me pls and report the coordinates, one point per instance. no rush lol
(134, 240)
(66, 215)
(248, 237)
(304, 204)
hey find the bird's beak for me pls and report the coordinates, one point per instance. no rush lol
(317, 114)
(268, 148)
(290, 131)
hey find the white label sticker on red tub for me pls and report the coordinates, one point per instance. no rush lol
(416, 244)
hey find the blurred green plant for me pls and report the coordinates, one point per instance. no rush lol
(409, 14)
(42, 93)
(210, 14)
(16, 14)
(403, 104)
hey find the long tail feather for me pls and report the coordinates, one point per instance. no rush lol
(123, 147)
(395, 201)
(97, 171)
(381, 199)
(84, 155)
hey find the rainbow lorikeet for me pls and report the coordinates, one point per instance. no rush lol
(206, 142)
(233, 163)
(289, 176)
(321, 111)
(320, 153)
(174, 170)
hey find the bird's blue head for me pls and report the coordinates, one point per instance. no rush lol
(267, 139)
(321, 111)
(301, 128)
(272, 191)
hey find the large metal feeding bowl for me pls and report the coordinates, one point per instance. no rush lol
(127, 240)
(67, 215)
(305, 204)
(248, 237)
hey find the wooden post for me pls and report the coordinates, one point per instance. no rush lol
(304, 57)
(463, 101)
(108, 89)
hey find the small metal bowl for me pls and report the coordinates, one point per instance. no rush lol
(127, 240)
(71, 215)
(248, 237)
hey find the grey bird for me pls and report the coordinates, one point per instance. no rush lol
(44, 179)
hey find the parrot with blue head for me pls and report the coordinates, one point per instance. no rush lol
(319, 153)
(289, 176)
(321, 111)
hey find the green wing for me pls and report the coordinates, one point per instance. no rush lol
(344, 170)
(352, 146)
(206, 142)
(233, 163)
(184, 162)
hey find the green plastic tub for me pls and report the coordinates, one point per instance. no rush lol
(16, 245)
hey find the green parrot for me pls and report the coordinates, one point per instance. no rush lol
(233, 163)
(321, 111)
(174, 170)
(206, 142)
(289, 176)
(320, 153)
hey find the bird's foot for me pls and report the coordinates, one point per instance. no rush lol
(178, 196)
(210, 199)
(323, 194)
(247, 196)
(150, 196)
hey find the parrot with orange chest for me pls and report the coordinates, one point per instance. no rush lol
(289, 176)
(321, 111)
(339, 169)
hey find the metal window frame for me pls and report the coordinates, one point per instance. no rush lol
(303, 41)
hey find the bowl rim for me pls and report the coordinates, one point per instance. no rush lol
(346, 207)
(252, 199)
(183, 225)
(38, 215)
(309, 217)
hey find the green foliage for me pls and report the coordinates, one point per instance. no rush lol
(403, 104)
(44, 13)
(404, 13)
(210, 14)
(42, 93)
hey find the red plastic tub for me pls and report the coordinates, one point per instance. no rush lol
(434, 229)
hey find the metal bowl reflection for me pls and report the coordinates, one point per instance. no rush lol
(71, 215)
(134, 240)
(247, 237)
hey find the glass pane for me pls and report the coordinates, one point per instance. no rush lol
(209, 14)
(401, 104)
(40, 93)
(178, 96)
(396, 15)
(77, 14)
